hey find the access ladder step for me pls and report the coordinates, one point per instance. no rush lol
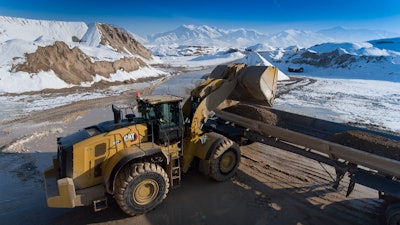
(175, 173)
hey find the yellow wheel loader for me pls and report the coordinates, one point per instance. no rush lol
(138, 158)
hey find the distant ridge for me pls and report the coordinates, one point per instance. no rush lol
(212, 36)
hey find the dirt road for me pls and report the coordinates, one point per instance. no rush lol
(271, 186)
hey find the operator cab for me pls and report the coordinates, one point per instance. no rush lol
(164, 116)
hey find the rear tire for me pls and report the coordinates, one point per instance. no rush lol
(225, 160)
(140, 187)
(393, 214)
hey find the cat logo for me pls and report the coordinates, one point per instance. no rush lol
(130, 137)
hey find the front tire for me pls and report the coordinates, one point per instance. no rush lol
(140, 187)
(225, 160)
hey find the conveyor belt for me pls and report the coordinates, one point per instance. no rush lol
(312, 133)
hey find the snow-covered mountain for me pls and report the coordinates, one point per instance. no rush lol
(191, 35)
(206, 36)
(186, 38)
(376, 60)
(342, 34)
(299, 38)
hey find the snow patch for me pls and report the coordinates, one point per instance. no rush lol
(18, 146)
(20, 82)
(92, 36)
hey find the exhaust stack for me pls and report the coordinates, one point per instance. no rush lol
(117, 114)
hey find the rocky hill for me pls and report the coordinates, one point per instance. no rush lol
(71, 53)
(72, 65)
(121, 41)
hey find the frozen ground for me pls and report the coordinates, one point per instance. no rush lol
(21, 105)
(367, 103)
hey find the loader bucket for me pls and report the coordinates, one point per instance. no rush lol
(226, 85)
(254, 83)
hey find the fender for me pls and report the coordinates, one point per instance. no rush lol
(207, 145)
(205, 148)
(122, 158)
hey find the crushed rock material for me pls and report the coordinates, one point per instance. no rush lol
(368, 142)
(357, 139)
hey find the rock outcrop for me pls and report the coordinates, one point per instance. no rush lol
(73, 66)
(121, 41)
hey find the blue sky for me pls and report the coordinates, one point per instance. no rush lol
(267, 16)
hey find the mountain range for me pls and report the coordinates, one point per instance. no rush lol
(213, 36)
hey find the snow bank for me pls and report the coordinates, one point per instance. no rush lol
(20, 82)
(23, 82)
(144, 72)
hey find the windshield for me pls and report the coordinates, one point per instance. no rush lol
(167, 114)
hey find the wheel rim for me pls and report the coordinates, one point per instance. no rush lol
(145, 192)
(227, 162)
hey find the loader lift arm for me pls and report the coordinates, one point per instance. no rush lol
(227, 85)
